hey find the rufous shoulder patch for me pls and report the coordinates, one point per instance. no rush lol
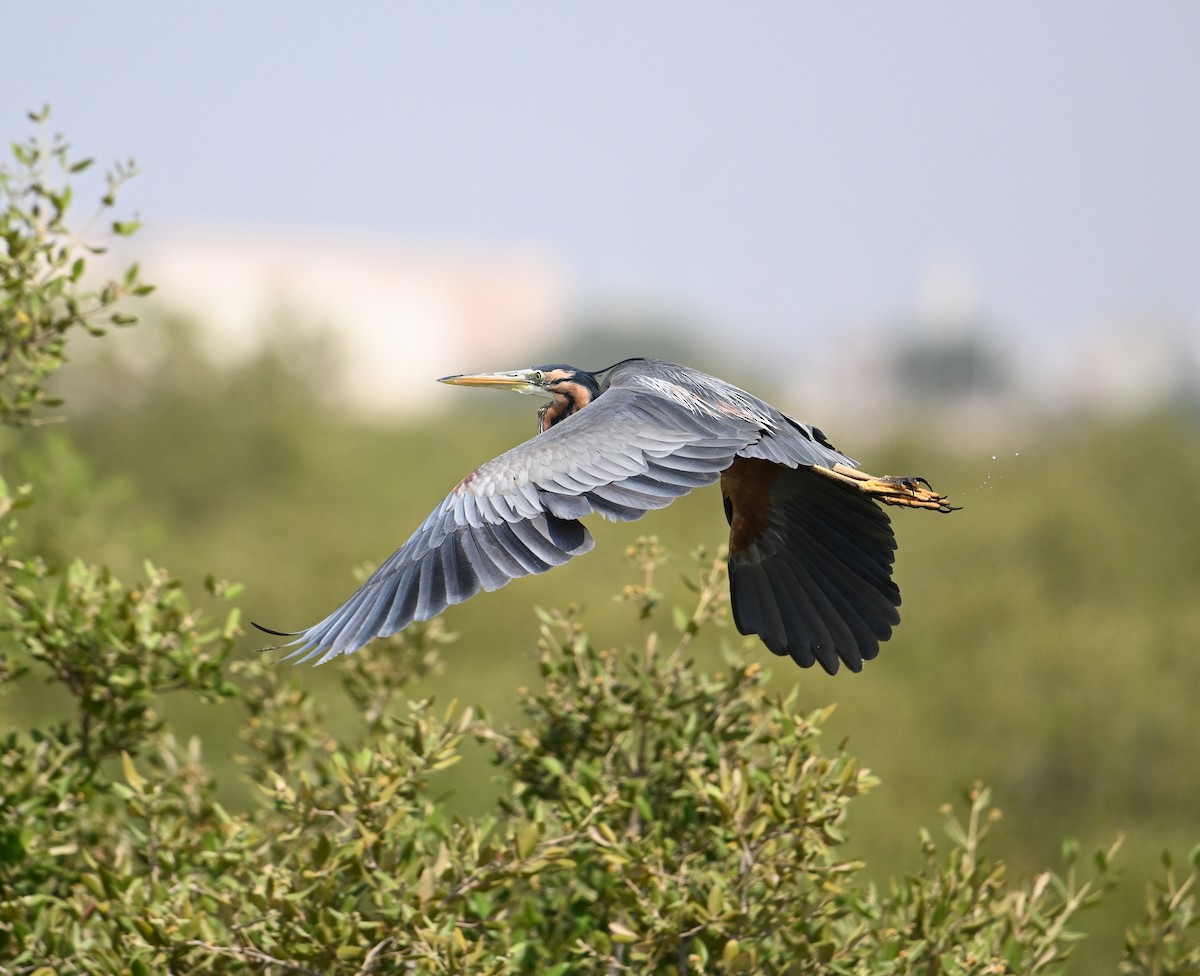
(746, 487)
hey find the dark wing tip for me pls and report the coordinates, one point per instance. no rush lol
(276, 633)
(812, 575)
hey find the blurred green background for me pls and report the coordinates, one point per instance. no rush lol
(1050, 629)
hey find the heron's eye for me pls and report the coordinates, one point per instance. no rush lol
(538, 375)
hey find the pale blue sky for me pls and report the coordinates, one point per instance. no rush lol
(778, 166)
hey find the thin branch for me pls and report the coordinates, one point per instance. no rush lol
(257, 955)
(369, 962)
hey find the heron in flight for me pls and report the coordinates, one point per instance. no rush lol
(810, 551)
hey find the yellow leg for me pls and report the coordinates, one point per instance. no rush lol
(890, 489)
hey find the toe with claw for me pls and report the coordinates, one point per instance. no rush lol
(905, 491)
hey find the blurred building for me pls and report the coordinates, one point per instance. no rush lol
(401, 314)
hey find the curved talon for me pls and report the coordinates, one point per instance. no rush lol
(910, 481)
(925, 499)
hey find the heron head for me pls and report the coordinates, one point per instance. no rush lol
(568, 389)
(537, 380)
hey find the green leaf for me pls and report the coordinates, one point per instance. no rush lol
(131, 774)
(527, 838)
(681, 618)
(621, 932)
(715, 902)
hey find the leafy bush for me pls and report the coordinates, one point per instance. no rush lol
(650, 818)
(43, 292)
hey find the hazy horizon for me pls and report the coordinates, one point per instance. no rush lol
(784, 174)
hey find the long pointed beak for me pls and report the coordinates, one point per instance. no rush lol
(519, 380)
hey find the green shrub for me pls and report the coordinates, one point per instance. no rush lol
(44, 294)
(651, 818)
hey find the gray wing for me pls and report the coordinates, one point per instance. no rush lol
(631, 450)
(810, 567)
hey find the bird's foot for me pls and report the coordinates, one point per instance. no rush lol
(908, 492)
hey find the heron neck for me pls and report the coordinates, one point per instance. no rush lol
(549, 414)
(569, 398)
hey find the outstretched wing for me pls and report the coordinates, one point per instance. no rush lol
(631, 450)
(810, 564)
